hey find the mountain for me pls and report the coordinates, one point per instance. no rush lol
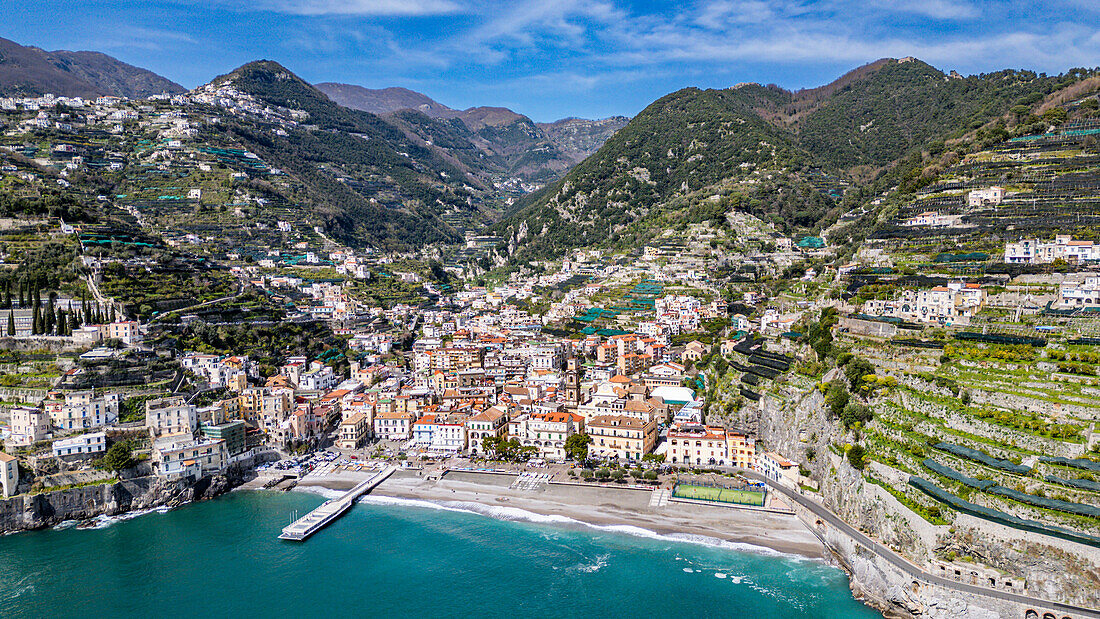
(30, 71)
(577, 138)
(787, 157)
(384, 100)
(513, 144)
(371, 181)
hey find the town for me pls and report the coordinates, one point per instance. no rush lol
(915, 378)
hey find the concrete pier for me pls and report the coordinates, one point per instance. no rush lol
(302, 528)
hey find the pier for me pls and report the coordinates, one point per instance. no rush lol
(302, 528)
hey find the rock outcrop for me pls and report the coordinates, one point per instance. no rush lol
(36, 511)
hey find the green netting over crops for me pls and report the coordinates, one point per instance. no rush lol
(1040, 501)
(950, 473)
(977, 456)
(1000, 517)
(1077, 463)
(1082, 484)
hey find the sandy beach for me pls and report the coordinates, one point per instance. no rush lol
(601, 506)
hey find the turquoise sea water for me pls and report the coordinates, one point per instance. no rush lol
(395, 559)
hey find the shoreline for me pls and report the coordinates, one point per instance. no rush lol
(618, 509)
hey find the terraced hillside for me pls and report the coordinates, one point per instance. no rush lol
(798, 159)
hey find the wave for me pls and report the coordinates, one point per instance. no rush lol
(328, 493)
(515, 514)
(103, 521)
(597, 565)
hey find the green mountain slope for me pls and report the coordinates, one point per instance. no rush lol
(370, 181)
(786, 157)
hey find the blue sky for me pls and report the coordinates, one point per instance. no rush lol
(555, 58)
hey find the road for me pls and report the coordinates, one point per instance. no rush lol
(912, 570)
(240, 291)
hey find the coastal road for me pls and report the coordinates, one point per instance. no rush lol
(912, 570)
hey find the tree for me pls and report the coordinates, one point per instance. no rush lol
(586, 474)
(603, 473)
(857, 456)
(855, 371)
(651, 475)
(854, 413)
(576, 446)
(117, 458)
(836, 396)
(11, 322)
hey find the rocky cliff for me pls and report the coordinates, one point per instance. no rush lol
(1052, 568)
(35, 511)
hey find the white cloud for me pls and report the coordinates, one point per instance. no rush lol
(936, 9)
(363, 7)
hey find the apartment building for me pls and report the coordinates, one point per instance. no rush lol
(621, 437)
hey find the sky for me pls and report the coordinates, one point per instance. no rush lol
(552, 59)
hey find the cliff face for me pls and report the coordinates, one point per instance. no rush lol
(28, 512)
(1052, 568)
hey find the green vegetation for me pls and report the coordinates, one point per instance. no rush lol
(117, 458)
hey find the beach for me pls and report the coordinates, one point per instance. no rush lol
(624, 508)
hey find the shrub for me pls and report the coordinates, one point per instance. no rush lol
(857, 456)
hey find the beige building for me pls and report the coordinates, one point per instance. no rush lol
(28, 425)
(393, 426)
(9, 474)
(181, 455)
(353, 431)
(622, 437)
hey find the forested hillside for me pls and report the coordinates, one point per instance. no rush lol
(790, 158)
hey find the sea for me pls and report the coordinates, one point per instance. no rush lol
(398, 558)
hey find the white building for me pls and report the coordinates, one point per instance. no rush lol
(1034, 251)
(82, 410)
(85, 444)
(776, 467)
(952, 304)
(319, 377)
(932, 219)
(9, 474)
(181, 456)
(991, 196)
(1079, 292)
(170, 416)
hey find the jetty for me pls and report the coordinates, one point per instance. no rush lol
(302, 528)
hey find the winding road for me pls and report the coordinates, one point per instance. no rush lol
(912, 570)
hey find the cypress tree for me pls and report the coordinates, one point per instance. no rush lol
(11, 323)
(49, 317)
(62, 322)
(35, 321)
(73, 322)
(21, 303)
